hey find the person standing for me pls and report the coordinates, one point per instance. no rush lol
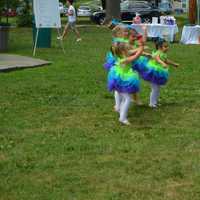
(71, 24)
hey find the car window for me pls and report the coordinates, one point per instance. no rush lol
(124, 5)
(143, 6)
(84, 8)
(164, 5)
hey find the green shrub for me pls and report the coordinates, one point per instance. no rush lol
(24, 20)
(25, 17)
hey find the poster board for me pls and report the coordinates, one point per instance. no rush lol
(47, 14)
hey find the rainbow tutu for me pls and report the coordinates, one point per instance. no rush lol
(123, 79)
(110, 61)
(151, 71)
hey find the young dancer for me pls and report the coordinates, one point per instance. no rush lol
(111, 57)
(155, 70)
(162, 62)
(123, 79)
(135, 41)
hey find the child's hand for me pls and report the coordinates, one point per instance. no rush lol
(165, 65)
(176, 65)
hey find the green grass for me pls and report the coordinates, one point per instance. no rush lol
(60, 139)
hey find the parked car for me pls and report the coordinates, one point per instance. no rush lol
(128, 10)
(165, 7)
(95, 8)
(84, 11)
(179, 11)
(62, 8)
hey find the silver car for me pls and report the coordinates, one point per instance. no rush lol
(84, 11)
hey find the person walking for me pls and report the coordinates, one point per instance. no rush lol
(71, 24)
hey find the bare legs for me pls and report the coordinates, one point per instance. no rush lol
(66, 30)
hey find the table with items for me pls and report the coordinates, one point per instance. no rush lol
(190, 35)
(158, 30)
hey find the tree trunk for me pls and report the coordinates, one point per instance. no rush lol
(157, 2)
(103, 3)
(192, 11)
(112, 10)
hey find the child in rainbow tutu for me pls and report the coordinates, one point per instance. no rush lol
(126, 35)
(161, 61)
(155, 70)
(123, 79)
(121, 34)
(111, 58)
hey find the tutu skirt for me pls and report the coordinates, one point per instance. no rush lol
(151, 71)
(109, 61)
(123, 80)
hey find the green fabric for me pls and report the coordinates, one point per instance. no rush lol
(136, 44)
(125, 70)
(117, 39)
(157, 66)
(162, 55)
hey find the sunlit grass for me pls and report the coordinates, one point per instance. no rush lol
(60, 139)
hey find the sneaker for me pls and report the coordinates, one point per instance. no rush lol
(125, 122)
(59, 38)
(152, 106)
(79, 39)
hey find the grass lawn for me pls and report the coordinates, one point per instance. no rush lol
(60, 139)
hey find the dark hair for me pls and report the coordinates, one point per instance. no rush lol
(159, 42)
(70, 1)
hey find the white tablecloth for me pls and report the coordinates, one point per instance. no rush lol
(158, 30)
(190, 35)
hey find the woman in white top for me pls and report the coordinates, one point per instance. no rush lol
(71, 13)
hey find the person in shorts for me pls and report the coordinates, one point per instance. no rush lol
(71, 13)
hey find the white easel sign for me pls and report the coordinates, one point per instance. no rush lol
(47, 15)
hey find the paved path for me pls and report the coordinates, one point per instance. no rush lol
(10, 62)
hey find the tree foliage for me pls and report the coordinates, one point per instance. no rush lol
(5, 5)
(25, 17)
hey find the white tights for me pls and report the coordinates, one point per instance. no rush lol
(154, 95)
(118, 99)
(122, 103)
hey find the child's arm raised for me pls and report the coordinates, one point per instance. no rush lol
(144, 28)
(132, 51)
(133, 57)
